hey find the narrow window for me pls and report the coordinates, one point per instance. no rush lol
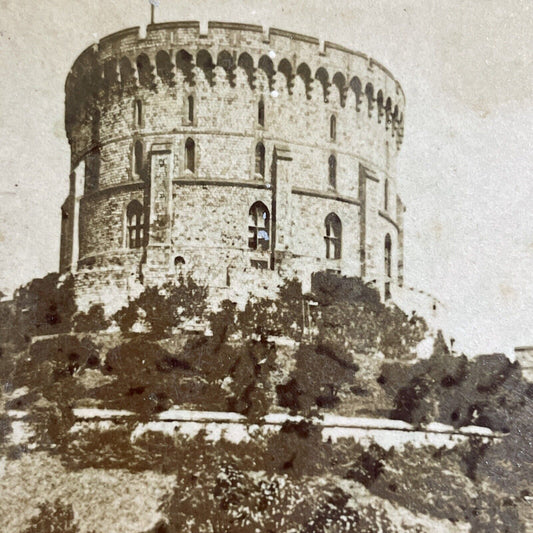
(386, 195)
(333, 237)
(333, 128)
(332, 173)
(189, 154)
(259, 227)
(138, 113)
(388, 266)
(138, 157)
(134, 225)
(179, 261)
(190, 108)
(261, 113)
(388, 256)
(260, 159)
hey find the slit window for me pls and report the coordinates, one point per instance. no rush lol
(261, 113)
(332, 171)
(260, 159)
(333, 237)
(333, 128)
(189, 154)
(258, 227)
(386, 195)
(138, 113)
(135, 225)
(190, 108)
(388, 256)
(138, 156)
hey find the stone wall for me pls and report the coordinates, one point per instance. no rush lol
(127, 96)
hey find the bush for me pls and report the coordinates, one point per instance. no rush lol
(282, 316)
(318, 377)
(92, 321)
(163, 308)
(45, 306)
(351, 318)
(487, 390)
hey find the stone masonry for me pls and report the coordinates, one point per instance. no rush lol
(238, 155)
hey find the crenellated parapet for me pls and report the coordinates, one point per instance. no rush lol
(273, 62)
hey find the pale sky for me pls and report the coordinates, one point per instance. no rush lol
(465, 169)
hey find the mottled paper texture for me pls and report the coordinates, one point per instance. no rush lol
(387, 158)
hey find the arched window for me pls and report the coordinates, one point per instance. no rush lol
(138, 113)
(332, 171)
(134, 224)
(261, 112)
(333, 236)
(189, 154)
(138, 156)
(386, 195)
(260, 159)
(190, 108)
(179, 263)
(333, 127)
(388, 265)
(259, 227)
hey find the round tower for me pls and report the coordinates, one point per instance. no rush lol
(234, 154)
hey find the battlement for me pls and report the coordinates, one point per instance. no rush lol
(184, 52)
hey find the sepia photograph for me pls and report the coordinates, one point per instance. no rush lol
(266, 267)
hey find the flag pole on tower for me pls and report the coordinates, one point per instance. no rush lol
(153, 4)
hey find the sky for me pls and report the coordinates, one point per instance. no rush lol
(465, 171)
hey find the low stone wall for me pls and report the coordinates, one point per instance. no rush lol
(234, 427)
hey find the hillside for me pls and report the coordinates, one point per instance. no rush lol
(338, 350)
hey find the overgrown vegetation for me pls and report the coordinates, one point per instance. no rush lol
(53, 517)
(302, 354)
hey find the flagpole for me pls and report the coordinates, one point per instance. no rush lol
(153, 5)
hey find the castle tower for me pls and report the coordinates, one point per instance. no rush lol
(236, 154)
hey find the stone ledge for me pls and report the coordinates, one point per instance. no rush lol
(326, 195)
(222, 183)
(387, 217)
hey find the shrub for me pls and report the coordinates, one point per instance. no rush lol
(45, 306)
(92, 321)
(318, 376)
(351, 318)
(164, 308)
(53, 517)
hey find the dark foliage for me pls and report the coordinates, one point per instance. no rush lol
(318, 376)
(487, 390)
(44, 306)
(369, 466)
(351, 317)
(282, 316)
(164, 308)
(53, 518)
(92, 321)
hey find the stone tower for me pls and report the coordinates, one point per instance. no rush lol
(238, 155)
